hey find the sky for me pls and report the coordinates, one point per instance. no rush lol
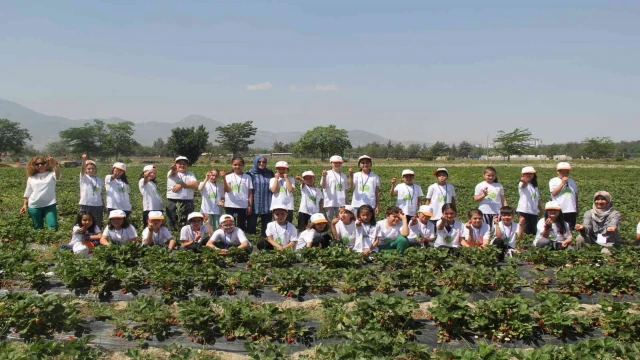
(407, 70)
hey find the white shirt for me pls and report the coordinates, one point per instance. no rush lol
(310, 200)
(438, 196)
(449, 238)
(282, 234)
(408, 198)
(567, 196)
(479, 235)
(420, 230)
(236, 237)
(151, 199)
(364, 189)
(180, 178)
(335, 192)
(282, 196)
(365, 235)
(387, 234)
(491, 203)
(211, 195)
(509, 233)
(117, 194)
(41, 190)
(240, 186)
(117, 236)
(346, 233)
(78, 238)
(90, 191)
(306, 237)
(638, 229)
(529, 198)
(160, 238)
(554, 235)
(187, 234)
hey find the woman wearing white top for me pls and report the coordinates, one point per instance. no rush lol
(151, 199)
(40, 194)
(180, 187)
(117, 186)
(91, 191)
(553, 231)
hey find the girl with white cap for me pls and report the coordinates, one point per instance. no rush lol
(489, 195)
(343, 227)
(281, 234)
(238, 197)
(311, 199)
(212, 198)
(565, 191)
(407, 194)
(365, 185)
(529, 204)
(228, 236)
(314, 235)
(439, 194)
(151, 199)
(118, 231)
(195, 233)
(181, 184)
(553, 230)
(281, 187)
(91, 191)
(155, 233)
(334, 184)
(117, 187)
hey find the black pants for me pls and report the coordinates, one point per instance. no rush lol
(570, 218)
(240, 215)
(177, 213)
(303, 221)
(500, 244)
(145, 218)
(530, 223)
(252, 223)
(321, 240)
(264, 244)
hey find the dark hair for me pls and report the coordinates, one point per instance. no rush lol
(237, 158)
(152, 180)
(559, 221)
(94, 227)
(506, 210)
(125, 223)
(368, 208)
(491, 168)
(122, 177)
(534, 180)
(448, 206)
(393, 210)
(472, 212)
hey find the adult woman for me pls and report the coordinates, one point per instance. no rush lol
(180, 186)
(40, 194)
(260, 176)
(600, 223)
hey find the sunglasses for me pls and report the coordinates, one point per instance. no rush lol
(40, 163)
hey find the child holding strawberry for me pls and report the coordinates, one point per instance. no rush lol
(194, 234)
(440, 193)
(155, 233)
(476, 232)
(343, 227)
(151, 199)
(281, 187)
(212, 198)
(489, 195)
(421, 230)
(449, 229)
(281, 234)
(228, 236)
(85, 232)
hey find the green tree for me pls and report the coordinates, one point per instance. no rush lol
(189, 142)
(280, 147)
(160, 147)
(516, 142)
(13, 138)
(413, 150)
(439, 149)
(236, 137)
(464, 149)
(119, 139)
(57, 148)
(87, 139)
(598, 147)
(398, 151)
(323, 141)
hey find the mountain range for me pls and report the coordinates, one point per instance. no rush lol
(45, 128)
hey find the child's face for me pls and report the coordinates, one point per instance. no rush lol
(156, 223)
(423, 218)
(280, 216)
(182, 166)
(117, 222)
(393, 219)
(365, 165)
(237, 166)
(282, 170)
(86, 221)
(228, 226)
(151, 174)
(345, 216)
(506, 218)
(489, 176)
(195, 223)
(476, 221)
(213, 176)
(442, 177)
(117, 172)
(336, 165)
(563, 173)
(365, 216)
(528, 177)
(553, 214)
(449, 215)
(309, 180)
(320, 227)
(91, 170)
(407, 179)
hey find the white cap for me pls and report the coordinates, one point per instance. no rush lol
(148, 168)
(120, 166)
(156, 215)
(335, 158)
(350, 208)
(426, 210)
(226, 217)
(89, 162)
(194, 215)
(364, 157)
(81, 249)
(181, 158)
(279, 207)
(407, 172)
(318, 218)
(308, 173)
(282, 164)
(528, 170)
(552, 205)
(117, 214)
(563, 166)
(444, 170)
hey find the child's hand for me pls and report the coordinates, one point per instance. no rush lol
(394, 180)
(174, 167)
(334, 221)
(414, 220)
(468, 225)
(324, 172)
(150, 225)
(579, 227)
(350, 170)
(496, 218)
(485, 190)
(197, 235)
(84, 157)
(358, 223)
(205, 217)
(522, 220)
(277, 176)
(298, 177)
(220, 203)
(611, 229)
(223, 173)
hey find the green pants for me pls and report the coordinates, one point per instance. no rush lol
(400, 244)
(48, 214)
(214, 221)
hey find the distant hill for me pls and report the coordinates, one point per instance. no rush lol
(45, 128)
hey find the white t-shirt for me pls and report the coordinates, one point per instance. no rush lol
(41, 190)
(491, 203)
(449, 238)
(638, 229)
(240, 185)
(186, 234)
(305, 237)
(335, 192)
(420, 230)
(90, 191)
(438, 196)
(117, 194)
(160, 238)
(282, 235)
(529, 198)
(567, 196)
(151, 199)
(365, 235)
(554, 235)
(347, 233)
(310, 200)
(77, 238)
(211, 195)
(479, 235)
(282, 196)
(509, 234)
(364, 189)
(180, 178)
(117, 236)
(236, 237)
(408, 198)
(387, 234)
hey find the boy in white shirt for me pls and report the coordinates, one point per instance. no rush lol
(151, 199)
(155, 233)
(334, 184)
(507, 232)
(228, 236)
(313, 236)
(392, 231)
(565, 191)
(421, 230)
(311, 201)
(281, 234)
(407, 194)
(281, 187)
(439, 194)
(193, 234)
(365, 185)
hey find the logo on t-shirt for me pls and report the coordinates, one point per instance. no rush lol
(345, 240)
(406, 197)
(212, 195)
(338, 187)
(533, 196)
(312, 198)
(441, 198)
(282, 189)
(278, 240)
(567, 191)
(235, 187)
(491, 195)
(365, 188)
(95, 189)
(448, 238)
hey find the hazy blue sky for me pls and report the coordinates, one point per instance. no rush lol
(419, 70)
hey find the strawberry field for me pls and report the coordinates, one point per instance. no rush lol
(321, 303)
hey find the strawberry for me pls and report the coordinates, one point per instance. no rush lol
(190, 339)
(290, 340)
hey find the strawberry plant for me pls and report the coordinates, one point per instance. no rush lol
(269, 259)
(486, 256)
(34, 274)
(505, 280)
(130, 279)
(173, 281)
(555, 317)
(503, 319)
(248, 280)
(358, 280)
(416, 279)
(435, 259)
(127, 254)
(209, 276)
(334, 315)
(450, 312)
(465, 278)
(545, 257)
(385, 284)
(150, 315)
(373, 344)
(333, 257)
(290, 282)
(618, 322)
(265, 350)
(589, 278)
(321, 282)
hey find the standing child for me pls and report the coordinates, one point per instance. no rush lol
(238, 194)
(313, 236)
(507, 231)
(366, 230)
(476, 232)
(281, 187)
(449, 229)
(281, 234)
(155, 233)
(343, 227)
(553, 230)
(529, 205)
(334, 184)
(151, 199)
(181, 184)
(421, 230)
(119, 231)
(392, 231)
(212, 198)
(195, 233)
(85, 232)
(365, 185)
(407, 194)
(565, 191)
(228, 236)
(311, 201)
(490, 195)
(439, 194)
(117, 187)
(91, 191)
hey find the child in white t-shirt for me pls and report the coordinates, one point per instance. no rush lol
(490, 195)
(311, 201)
(119, 231)
(281, 234)
(313, 236)
(565, 191)
(407, 194)
(553, 231)
(507, 232)
(392, 231)
(449, 230)
(151, 199)
(91, 191)
(476, 232)
(343, 227)
(156, 233)
(334, 184)
(85, 232)
(439, 194)
(238, 196)
(529, 204)
(365, 185)
(212, 198)
(366, 230)
(195, 233)
(117, 187)
(228, 236)
(281, 187)
(421, 230)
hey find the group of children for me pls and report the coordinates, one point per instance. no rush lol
(411, 222)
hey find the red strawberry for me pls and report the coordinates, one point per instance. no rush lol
(190, 339)
(290, 340)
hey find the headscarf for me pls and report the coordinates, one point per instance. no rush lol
(256, 171)
(600, 215)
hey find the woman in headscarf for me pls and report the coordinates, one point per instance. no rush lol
(600, 223)
(260, 176)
